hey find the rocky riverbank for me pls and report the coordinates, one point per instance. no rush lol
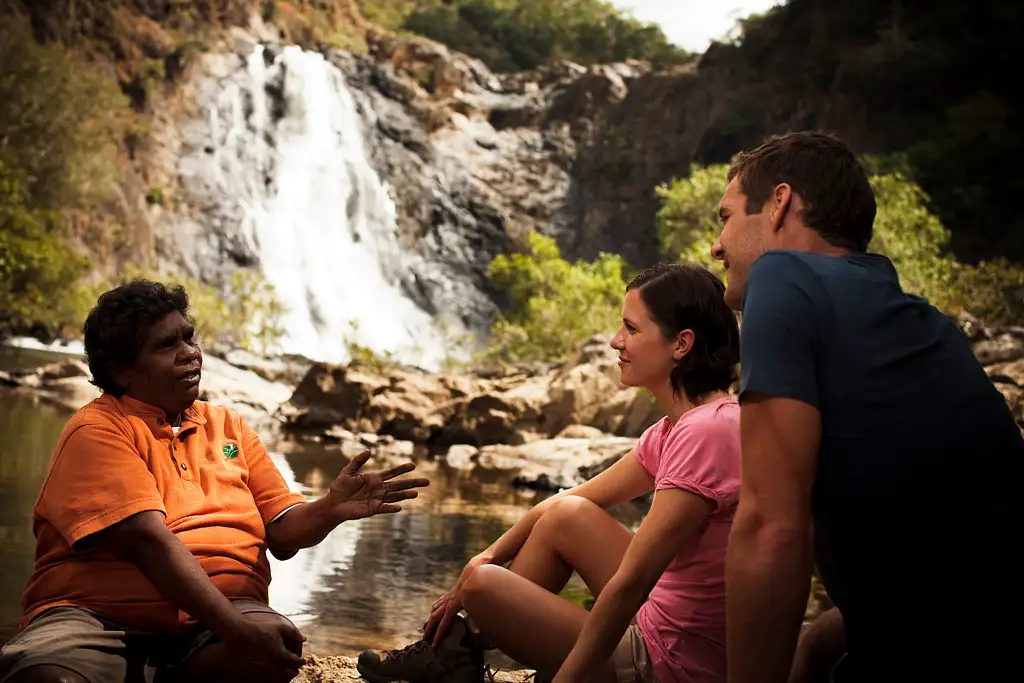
(552, 425)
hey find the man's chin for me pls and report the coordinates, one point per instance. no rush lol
(734, 297)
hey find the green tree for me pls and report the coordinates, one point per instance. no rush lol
(38, 268)
(905, 230)
(688, 222)
(512, 35)
(554, 304)
(244, 313)
(60, 123)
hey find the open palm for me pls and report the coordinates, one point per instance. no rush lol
(356, 494)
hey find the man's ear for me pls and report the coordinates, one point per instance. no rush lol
(779, 205)
(684, 343)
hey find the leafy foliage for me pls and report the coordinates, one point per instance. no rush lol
(511, 35)
(38, 268)
(61, 121)
(319, 23)
(554, 304)
(906, 231)
(245, 313)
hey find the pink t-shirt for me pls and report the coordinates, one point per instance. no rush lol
(683, 620)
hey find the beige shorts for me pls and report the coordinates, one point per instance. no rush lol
(102, 651)
(631, 660)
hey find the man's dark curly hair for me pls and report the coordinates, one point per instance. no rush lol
(681, 296)
(116, 328)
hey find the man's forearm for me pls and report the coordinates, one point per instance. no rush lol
(303, 526)
(617, 605)
(768, 570)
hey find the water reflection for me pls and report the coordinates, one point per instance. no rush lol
(370, 583)
(28, 433)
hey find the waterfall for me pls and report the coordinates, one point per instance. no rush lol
(290, 168)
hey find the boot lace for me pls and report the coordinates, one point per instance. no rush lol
(399, 656)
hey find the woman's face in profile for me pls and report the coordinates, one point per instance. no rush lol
(645, 356)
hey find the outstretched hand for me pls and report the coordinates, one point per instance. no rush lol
(355, 494)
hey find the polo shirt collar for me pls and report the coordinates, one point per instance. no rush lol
(133, 406)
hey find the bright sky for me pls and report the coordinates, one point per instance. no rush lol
(693, 24)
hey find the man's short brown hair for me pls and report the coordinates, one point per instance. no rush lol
(838, 202)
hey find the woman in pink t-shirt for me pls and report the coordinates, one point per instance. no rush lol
(660, 608)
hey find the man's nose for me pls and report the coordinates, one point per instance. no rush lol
(717, 251)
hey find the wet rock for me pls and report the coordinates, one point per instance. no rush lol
(1007, 345)
(288, 369)
(462, 457)
(320, 669)
(64, 369)
(580, 432)
(407, 404)
(554, 464)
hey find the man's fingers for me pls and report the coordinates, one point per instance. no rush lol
(355, 463)
(397, 470)
(406, 484)
(387, 509)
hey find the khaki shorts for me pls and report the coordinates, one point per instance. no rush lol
(631, 660)
(102, 651)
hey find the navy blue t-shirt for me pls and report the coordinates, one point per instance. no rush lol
(916, 502)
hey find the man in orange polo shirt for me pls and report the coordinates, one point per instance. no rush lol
(155, 519)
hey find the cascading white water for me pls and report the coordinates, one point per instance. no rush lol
(290, 155)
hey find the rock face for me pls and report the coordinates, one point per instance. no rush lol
(478, 410)
(67, 383)
(554, 426)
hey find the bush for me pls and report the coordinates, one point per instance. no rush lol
(511, 35)
(244, 314)
(38, 269)
(554, 304)
(906, 231)
(61, 121)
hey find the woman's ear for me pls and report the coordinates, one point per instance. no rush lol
(684, 343)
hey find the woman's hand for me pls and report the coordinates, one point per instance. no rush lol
(448, 605)
(354, 495)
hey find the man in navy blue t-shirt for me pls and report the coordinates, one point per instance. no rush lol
(874, 445)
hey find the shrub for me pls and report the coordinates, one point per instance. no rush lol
(905, 230)
(511, 35)
(554, 304)
(61, 121)
(38, 269)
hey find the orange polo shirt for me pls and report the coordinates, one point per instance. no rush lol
(214, 482)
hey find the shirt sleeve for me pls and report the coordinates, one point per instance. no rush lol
(647, 448)
(702, 458)
(781, 329)
(268, 487)
(97, 479)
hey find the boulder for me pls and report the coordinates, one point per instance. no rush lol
(554, 464)
(407, 404)
(1007, 345)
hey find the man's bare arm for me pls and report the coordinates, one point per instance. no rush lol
(769, 562)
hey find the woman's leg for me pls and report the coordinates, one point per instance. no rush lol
(516, 608)
(574, 534)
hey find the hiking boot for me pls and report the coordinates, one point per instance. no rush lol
(456, 660)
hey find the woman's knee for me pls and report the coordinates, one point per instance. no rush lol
(482, 583)
(47, 673)
(566, 514)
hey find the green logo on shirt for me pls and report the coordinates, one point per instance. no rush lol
(231, 451)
